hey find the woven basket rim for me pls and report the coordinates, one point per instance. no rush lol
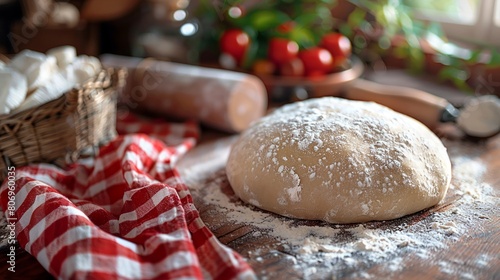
(4, 118)
(62, 130)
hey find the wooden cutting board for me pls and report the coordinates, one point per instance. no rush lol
(458, 239)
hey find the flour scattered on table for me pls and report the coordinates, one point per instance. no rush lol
(318, 249)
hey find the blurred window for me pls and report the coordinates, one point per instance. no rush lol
(473, 21)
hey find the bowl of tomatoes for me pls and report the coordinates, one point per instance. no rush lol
(292, 72)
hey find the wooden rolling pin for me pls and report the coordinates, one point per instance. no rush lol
(222, 99)
(429, 109)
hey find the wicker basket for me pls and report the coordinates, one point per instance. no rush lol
(63, 130)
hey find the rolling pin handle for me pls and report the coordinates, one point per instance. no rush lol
(420, 105)
(449, 114)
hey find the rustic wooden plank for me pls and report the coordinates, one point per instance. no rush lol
(27, 267)
(475, 255)
(461, 259)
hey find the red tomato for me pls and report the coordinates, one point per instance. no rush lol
(282, 50)
(235, 42)
(338, 45)
(263, 67)
(317, 61)
(292, 68)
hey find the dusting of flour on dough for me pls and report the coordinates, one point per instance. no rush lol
(320, 250)
(306, 152)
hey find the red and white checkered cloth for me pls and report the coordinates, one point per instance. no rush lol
(124, 214)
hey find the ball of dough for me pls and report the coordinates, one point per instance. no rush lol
(339, 161)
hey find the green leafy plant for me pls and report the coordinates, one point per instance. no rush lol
(378, 28)
(375, 28)
(264, 20)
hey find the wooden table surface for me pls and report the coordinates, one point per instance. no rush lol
(470, 250)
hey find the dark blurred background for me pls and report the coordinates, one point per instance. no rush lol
(172, 29)
(109, 33)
